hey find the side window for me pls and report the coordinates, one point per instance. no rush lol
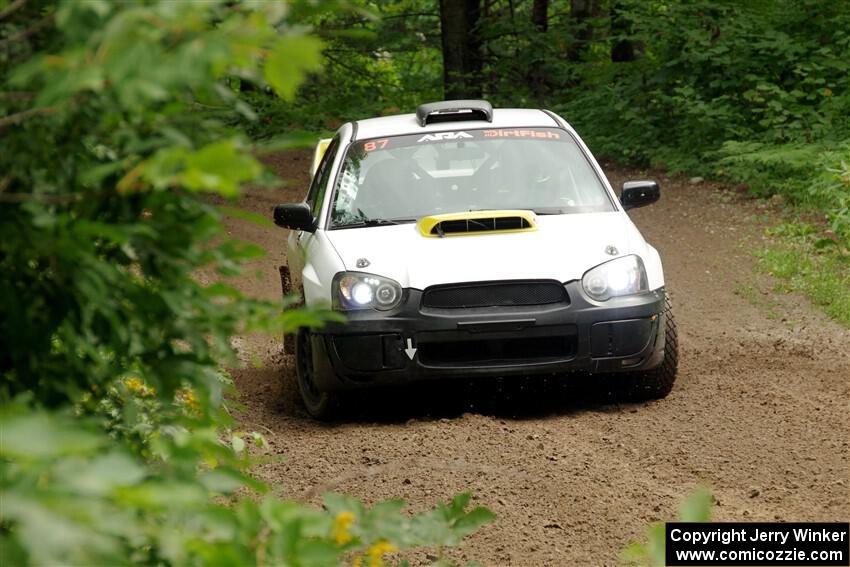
(320, 181)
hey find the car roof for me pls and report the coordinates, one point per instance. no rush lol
(401, 124)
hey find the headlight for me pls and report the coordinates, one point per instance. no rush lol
(623, 276)
(355, 290)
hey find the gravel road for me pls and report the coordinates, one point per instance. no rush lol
(759, 413)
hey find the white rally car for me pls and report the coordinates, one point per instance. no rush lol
(463, 241)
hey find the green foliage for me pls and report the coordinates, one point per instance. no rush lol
(382, 59)
(814, 176)
(803, 259)
(696, 507)
(289, 62)
(712, 72)
(71, 495)
(116, 441)
(98, 246)
(703, 72)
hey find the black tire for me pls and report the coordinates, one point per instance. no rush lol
(657, 383)
(320, 404)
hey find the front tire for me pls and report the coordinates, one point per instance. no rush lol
(657, 383)
(320, 404)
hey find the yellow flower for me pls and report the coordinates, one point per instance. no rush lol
(377, 551)
(139, 387)
(358, 561)
(827, 92)
(340, 531)
(189, 400)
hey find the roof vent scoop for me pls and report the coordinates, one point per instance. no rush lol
(454, 111)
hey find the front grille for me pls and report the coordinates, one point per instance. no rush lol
(498, 351)
(494, 294)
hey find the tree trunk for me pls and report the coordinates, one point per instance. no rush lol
(462, 61)
(537, 77)
(540, 15)
(580, 13)
(623, 50)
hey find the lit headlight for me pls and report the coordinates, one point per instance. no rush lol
(355, 290)
(623, 276)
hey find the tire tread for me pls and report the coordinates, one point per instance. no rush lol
(658, 383)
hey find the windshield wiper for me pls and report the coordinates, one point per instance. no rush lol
(378, 222)
(373, 222)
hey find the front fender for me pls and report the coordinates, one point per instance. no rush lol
(320, 263)
(654, 270)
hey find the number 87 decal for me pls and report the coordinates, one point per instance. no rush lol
(375, 145)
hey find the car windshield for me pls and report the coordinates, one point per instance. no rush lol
(403, 178)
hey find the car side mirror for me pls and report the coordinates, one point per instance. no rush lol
(296, 216)
(639, 194)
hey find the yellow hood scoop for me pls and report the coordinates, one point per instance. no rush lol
(477, 222)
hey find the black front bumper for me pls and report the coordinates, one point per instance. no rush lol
(371, 348)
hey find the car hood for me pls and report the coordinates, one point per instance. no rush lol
(562, 248)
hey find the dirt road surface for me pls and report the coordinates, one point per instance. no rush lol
(760, 412)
